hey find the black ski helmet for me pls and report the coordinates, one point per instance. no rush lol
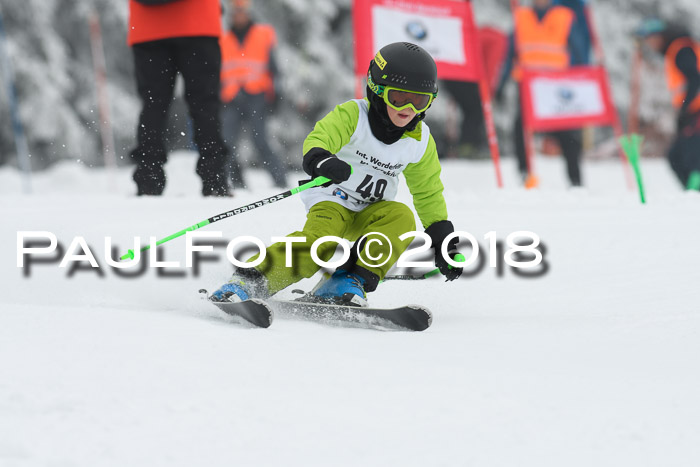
(405, 66)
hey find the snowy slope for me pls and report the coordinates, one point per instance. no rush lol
(596, 363)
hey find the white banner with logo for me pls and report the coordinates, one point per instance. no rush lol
(566, 99)
(444, 28)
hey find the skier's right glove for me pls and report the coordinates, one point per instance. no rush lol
(319, 162)
(438, 232)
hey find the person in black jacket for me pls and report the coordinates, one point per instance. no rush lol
(682, 57)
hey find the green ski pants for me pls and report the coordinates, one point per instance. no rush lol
(327, 218)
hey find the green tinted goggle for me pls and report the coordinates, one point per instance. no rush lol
(399, 99)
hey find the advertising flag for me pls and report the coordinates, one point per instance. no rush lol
(444, 28)
(561, 100)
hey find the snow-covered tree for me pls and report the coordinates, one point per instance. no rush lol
(49, 44)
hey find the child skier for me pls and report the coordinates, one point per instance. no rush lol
(362, 146)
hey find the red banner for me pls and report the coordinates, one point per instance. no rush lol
(444, 28)
(563, 100)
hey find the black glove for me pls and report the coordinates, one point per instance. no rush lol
(438, 232)
(321, 163)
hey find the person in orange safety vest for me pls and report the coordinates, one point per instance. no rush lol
(248, 73)
(543, 40)
(682, 61)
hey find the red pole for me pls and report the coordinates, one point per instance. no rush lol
(359, 90)
(635, 91)
(487, 109)
(490, 128)
(362, 35)
(617, 126)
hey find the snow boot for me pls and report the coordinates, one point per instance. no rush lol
(243, 285)
(215, 185)
(150, 179)
(343, 287)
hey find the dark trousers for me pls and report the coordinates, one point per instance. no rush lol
(249, 110)
(570, 141)
(684, 155)
(467, 97)
(157, 64)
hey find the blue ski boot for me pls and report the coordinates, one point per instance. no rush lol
(343, 288)
(243, 285)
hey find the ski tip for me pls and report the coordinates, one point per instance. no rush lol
(255, 311)
(422, 325)
(264, 321)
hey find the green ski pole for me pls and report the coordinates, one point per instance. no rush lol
(459, 257)
(631, 144)
(224, 215)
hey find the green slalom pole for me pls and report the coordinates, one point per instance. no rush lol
(693, 181)
(632, 144)
(225, 215)
(459, 257)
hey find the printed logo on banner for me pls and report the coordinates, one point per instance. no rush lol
(566, 94)
(417, 30)
(553, 98)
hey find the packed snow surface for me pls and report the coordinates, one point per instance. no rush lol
(595, 363)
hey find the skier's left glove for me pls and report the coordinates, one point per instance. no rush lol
(438, 232)
(320, 162)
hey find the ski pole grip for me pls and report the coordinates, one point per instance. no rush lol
(318, 181)
(128, 255)
(459, 257)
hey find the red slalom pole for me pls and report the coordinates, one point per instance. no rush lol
(491, 129)
(617, 126)
(635, 92)
(487, 109)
